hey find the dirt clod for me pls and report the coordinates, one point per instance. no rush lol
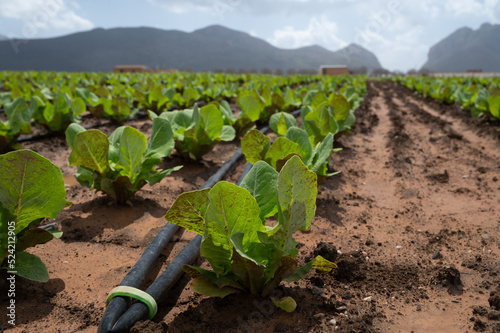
(494, 299)
(449, 277)
(327, 250)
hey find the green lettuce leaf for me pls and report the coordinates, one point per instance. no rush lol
(188, 211)
(297, 190)
(31, 187)
(90, 151)
(31, 267)
(281, 122)
(261, 182)
(280, 149)
(254, 145)
(232, 209)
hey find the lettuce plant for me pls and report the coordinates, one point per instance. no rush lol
(115, 105)
(280, 123)
(115, 109)
(327, 115)
(19, 116)
(252, 106)
(31, 189)
(256, 147)
(244, 253)
(124, 163)
(56, 115)
(494, 106)
(256, 107)
(5, 97)
(197, 131)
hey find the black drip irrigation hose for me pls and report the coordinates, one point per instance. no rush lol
(139, 115)
(111, 321)
(139, 311)
(50, 135)
(136, 276)
(115, 319)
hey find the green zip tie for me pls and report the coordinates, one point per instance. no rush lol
(137, 294)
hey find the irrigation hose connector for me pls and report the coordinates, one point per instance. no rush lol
(138, 295)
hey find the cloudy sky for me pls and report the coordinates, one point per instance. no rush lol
(399, 32)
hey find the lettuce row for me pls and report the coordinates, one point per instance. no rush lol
(471, 93)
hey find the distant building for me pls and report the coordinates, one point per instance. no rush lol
(140, 69)
(333, 70)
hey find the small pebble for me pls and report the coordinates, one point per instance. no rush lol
(317, 291)
(485, 236)
(398, 247)
(333, 322)
(436, 255)
(367, 299)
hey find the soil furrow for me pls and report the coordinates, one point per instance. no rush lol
(409, 189)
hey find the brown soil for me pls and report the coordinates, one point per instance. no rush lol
(412, 221)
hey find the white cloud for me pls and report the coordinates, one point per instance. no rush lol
(403, 51)
(460, 7)
(254, 7)
(43, 14)
(70, 20)
(485, 9)
(497, 12)
(319, 31)
(216, 7)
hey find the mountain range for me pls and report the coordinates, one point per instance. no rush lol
(467, 49)
(210, 48)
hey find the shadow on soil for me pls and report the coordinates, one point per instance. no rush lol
(26, 309)
(88, 220)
